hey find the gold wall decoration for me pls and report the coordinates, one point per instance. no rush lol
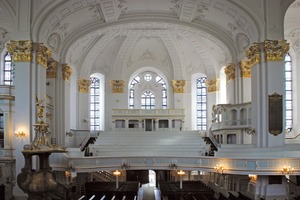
(275, 50)
(42, 55)
(245, 70)
(21, 51)
(84, 85)
(178, 86)
(275, 114)
(66, 72)
(253, 55)
(212, 85)
(230, 71)
(117, 86)
(52, 69)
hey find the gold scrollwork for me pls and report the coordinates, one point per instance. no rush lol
(230, 71)
(84, 85)
(21, 51)
(245, 70)
(66, 72)
(212, 85)
(42, 55)
(275, 49)
(52, 69)
(117, 86)
(178, 86)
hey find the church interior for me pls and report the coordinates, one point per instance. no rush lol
(169, 99)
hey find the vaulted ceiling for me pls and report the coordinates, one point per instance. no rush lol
(118, 37)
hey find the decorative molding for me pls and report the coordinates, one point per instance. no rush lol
(212, 85)
(66, 72)
(84, 85)
(117, 86)
(245, 71)
(52, 69)
(178, 86)
(21, 51)
(42, 55)
(275, 50)
(230, 71)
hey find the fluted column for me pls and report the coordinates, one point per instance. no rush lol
(84, 96)
(212, 93)
(230, 79)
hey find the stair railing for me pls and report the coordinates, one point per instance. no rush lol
(213, 139)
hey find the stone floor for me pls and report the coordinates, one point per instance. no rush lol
(147, 192)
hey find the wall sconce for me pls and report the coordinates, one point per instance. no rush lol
(180, 173)
(20, 134)
(125, 166)
(69, 133)
(117, 173)
(287, 170)
(85, 120)
(219, 168)
(252, 177)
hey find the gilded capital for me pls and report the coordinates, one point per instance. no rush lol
(230, 71)
(66, 72)
(275, 50)
(212, 85)
(84, 85)
(178, 86)
(245, 70)
(117, 86)
(52, 69)
(252, 55)
(21, 51)
(42, 55)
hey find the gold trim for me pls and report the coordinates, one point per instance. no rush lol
(276, 49)
(178, 86)
(52, 69)
(117, 86)
(42, 55)
(6, 97)
(245, 70)
(230, 71)
(21, 51)
(212, 85)
(66, 72)
(84, 85)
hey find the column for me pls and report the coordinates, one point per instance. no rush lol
(30, 60)
(84, 108)
(212, 93)
(230, 79)
(245, 79)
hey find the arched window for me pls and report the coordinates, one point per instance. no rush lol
(95, 104)
(131, 91)
(164, 91)
(148, 100)
(201, 93)
(8, 71)
(288, 92)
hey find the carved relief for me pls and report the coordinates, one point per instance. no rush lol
(230, 72)
(52, 69)
(178, 86)
(3, 32)
(53, 41)
(84, 85)
(242, 41)
(66, 72)
(21, 51)
(275, 49)
(212, 85)
(117, 86)
(42, 55)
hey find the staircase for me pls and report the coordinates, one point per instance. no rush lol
(103, 176)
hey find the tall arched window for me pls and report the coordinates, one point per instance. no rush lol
(131, 91)
(201, 93)
(161, 81)
(288, 92)
(148, 100)
(8, 70)
(95, 104)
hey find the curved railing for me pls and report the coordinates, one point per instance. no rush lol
(259, 166)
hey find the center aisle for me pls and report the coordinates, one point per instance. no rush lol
(149, 193)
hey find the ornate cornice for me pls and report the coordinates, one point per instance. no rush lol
(275, 49)
(117, 86)
(84, 85)
(245, 70)
(21, 51)
(212, 85)
(230, 71)
(42, 55)
(66, 72)
(52, 69)
(178, 86)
